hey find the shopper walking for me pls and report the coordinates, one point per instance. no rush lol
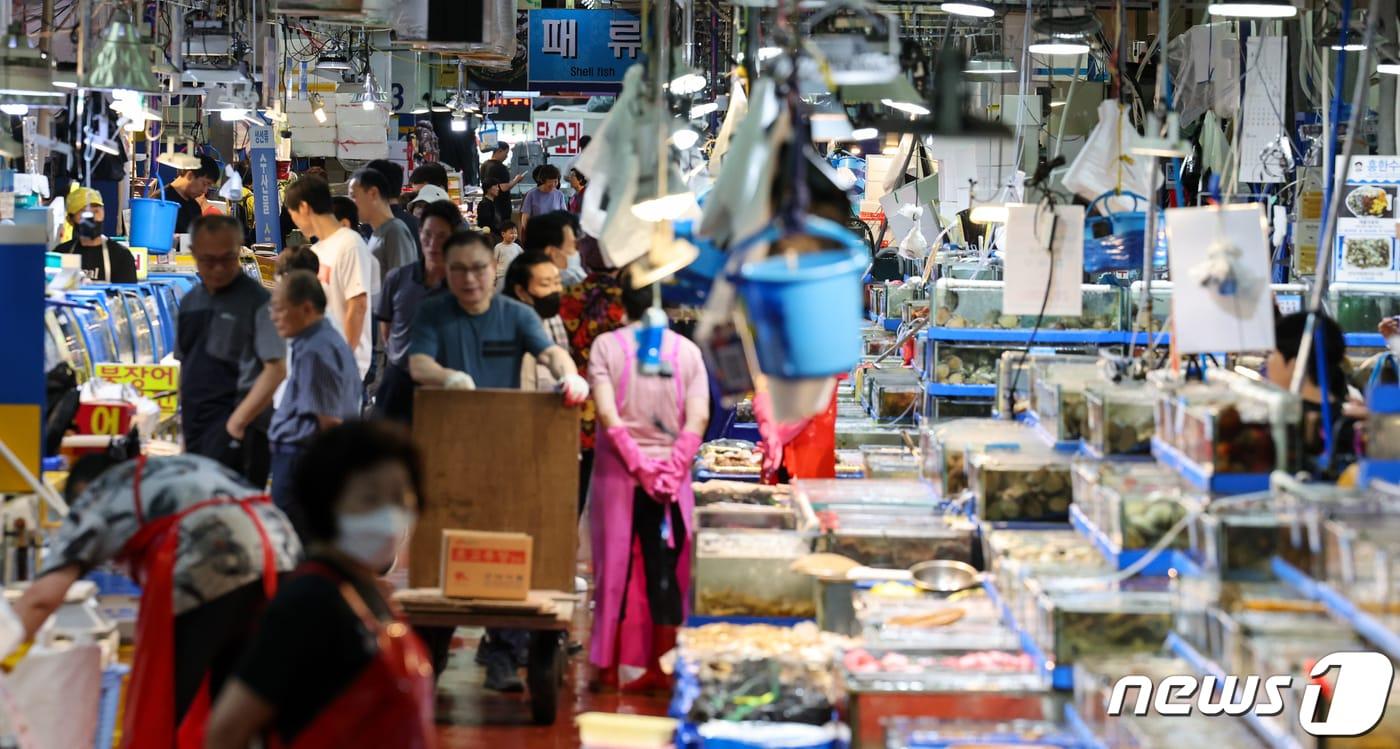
(491, 212)
(589, 310)
(189, 190)
(322, 389)
(533, 279)
(545, 197)
(101, 259)
(333, 665)
(579, 183)
(231, 358)
(208, 552)
(398, 205)
(345, 263)
(555, 234)
(474, 338)
(506, 251)
(641, 501)
(404, 290)
(391, 242)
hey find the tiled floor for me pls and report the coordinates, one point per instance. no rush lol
(470, 717)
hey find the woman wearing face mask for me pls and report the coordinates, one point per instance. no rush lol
(332, 664)
(533, 278)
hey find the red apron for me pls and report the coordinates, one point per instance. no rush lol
(390, 703)
(149, 722)
(812, 453)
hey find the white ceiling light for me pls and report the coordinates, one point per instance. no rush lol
(15, 110)
(988, 213)
(685, 138)
(907, 107)
(703, 109)
(980, 65)
(1388, 68)
(459, 122)
(1054, 47)
(865, 133)
(687, 83)
(971, 10)
(1254, 9)
(768, 53)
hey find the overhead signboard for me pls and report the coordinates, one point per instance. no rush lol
(584, 51)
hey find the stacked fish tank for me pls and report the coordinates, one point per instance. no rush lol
(1120, 418)
(943, 448)
(1058, 396)
(978, 304)
(1020, 485)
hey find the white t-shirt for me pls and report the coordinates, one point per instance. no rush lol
(505, 253)
(347, 272)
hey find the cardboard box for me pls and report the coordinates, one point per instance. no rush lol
(478, 564)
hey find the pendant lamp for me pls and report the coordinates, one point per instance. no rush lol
(1253, 9)
(122, 61)
(26, 75)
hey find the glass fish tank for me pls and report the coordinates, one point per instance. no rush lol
(1057, 397)
(1020, 485)
(1120, 418)
(978, 304)
(748, 573)
(1360, 307)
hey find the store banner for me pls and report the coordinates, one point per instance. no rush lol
(267, 209)
(582, 50)
(560, 132)
(159, 382)
(1365, 247)
(22, 329)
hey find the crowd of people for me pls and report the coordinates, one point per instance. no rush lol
(265, 542)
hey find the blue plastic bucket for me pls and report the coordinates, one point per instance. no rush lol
(806, 311)
(153, 220)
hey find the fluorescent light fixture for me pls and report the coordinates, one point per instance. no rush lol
(907, 107)
(688, 83)
(1388, 68)
(865, 133)
(684, 138)
(768, 53)
(667, 207)
(459, 122)
(1253, 9)
(15, 110)
(1056, 104)
(971, 10)
(1348, 47)
(1046, 46)
(703, 109)
(990, 66)
(989, 213)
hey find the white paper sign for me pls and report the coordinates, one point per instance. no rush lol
(1205, 320)
(1031, 260)
(1264, 146)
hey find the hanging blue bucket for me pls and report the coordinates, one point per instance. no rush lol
(806, 308)
(153, 220)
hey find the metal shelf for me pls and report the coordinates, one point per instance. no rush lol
(1268, 733)
(1222, 484)
(1167, 562)
(1024, 335)
(1369, 627)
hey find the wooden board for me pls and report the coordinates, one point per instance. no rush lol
(497, 460)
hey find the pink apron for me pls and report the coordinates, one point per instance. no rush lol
(610, 520)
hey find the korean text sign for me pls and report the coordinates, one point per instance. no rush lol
(582, 50)
(1365, 249)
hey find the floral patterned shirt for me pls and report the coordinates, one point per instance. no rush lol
(589, 309)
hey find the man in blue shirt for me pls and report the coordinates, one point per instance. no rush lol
(323, 384)
(474, 338)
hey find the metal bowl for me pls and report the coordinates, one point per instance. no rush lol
(944, 576)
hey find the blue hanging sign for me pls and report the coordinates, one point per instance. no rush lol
(582, 50)
(267, 209)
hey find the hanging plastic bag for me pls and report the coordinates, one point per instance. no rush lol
(232, 188)
(1107, 164)
(1114, 241)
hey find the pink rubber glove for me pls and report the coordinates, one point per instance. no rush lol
(677, 468)
(645, 470)
(774, 434)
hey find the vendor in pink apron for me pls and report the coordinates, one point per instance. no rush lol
(640, 502)
(208, 552)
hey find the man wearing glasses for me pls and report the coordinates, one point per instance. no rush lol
(474, 338)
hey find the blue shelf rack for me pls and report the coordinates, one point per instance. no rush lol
(1267, 732)
(1167, 561)
(943, 390)
(1369, 627)
(1222, 484)
(1061, 677)
(1024, 335)
(1365, 340)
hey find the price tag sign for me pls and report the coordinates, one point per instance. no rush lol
(159, 382)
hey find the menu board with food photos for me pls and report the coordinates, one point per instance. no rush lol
(1365, 248)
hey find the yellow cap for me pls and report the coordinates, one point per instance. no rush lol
(80, 198)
